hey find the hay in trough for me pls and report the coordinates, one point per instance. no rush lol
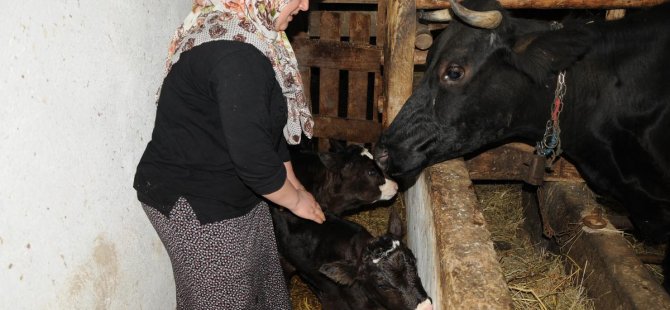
(537, 279)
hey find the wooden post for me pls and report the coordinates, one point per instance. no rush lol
(398, 55)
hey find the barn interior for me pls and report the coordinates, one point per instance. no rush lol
(535, 243)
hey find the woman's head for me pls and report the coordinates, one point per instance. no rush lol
(286, 12)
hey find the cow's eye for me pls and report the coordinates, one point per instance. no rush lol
(453, 73)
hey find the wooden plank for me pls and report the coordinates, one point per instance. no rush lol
(552, 4)
(512, 162)
(398, 55)
(338, 55)
(614, 276)
(381, 22)
(359, 25)
(329, 79)
(351, 130)
(447, 233)
(379, 96)
(314, 29)
(306, 75)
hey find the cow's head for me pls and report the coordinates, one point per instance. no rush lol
(385, 272)
(489, 78)
(354, 178)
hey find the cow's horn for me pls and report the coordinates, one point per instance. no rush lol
(485, 19)
(436, 16)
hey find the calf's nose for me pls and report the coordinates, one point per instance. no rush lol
(425, 305)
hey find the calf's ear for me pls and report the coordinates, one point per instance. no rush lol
(329, 160)
(395, 224)
(336, 145)
(542, 55)
(341, 272)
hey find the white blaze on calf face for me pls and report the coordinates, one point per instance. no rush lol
(389, 188)
(425, 305)
(366, 153)
(394, 245)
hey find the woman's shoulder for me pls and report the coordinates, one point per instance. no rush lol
(232, 52)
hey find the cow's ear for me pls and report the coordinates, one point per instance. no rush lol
(329, 160)
(336, 145)
(341, 272)
(395, 224)
(542, 55)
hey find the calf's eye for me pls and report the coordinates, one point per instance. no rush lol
(453, 73)
(372, 172)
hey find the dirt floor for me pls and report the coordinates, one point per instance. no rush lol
(537, 279)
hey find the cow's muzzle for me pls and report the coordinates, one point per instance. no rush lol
(381, 155)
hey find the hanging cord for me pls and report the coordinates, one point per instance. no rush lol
(550, 145)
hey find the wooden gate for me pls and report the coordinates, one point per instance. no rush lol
(340, 63)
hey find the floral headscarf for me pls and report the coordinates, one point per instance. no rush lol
(250, 21)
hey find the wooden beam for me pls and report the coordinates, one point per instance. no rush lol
(338, 55)
(530, 4)
(512, 162)
(398, 55)
(552, 4)
(448, 234)
(352, 130)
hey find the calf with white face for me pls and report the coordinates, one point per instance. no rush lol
(344, 180)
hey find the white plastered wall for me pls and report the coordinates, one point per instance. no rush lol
(77, 85)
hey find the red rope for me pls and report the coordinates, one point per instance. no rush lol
(556, 109)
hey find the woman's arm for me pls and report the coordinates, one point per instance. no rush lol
(290, 175)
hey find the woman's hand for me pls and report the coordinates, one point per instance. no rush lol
(298, 201)
(307, 207)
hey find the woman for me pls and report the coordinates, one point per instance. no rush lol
(217, 153)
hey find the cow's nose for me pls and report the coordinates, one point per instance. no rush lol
(381, 155)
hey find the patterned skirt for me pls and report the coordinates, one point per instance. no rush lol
(231, 264)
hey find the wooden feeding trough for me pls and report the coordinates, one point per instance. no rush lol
(378, 49)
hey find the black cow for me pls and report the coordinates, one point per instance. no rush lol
(492, 78)
(346, 267)
(344, 179)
